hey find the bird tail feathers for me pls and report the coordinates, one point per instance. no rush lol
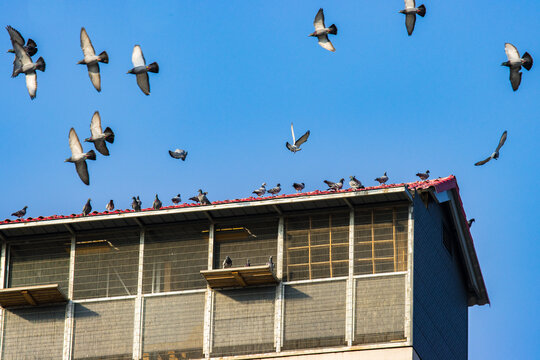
(421, 10)
(91, 155)
(527, 61)
(333, 29)
(40, 64)
(104, 57)
(153, 67)
(31, 43)
(109, 135)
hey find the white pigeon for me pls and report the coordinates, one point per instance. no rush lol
(410, 12)
(321, 31)
(141, 70)
(260, 191)
(515, 62)
(23, 64)
(295, 146)
(78, 157)
(99, 136)
(91, 60)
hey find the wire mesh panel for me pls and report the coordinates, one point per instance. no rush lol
(380, 237)
(253, 239)
(174, 257)
(243, 321)
(314, 315)
(173, 327)
(317, 246)
(380, 309)
(106, 264)
(103, 330)
(34, 333)
(40, 262)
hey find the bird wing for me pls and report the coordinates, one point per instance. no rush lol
(410, 4)
(302, 139)
(21, 54)
(319, 20)
(15, 36)
(501, 141)
(289, 146)
(194, 198)
(292, 132)
(31, 84)
(93, 73)
(511, 52)
(74, 143)
(173, 154)
(144, 82)
(483, 161)
(82, 170)
(137, 57)
(410, 20)
(86, 44)
(95, 125)
(101, 146)
(17, 64)
(515, 77)
(326, 43)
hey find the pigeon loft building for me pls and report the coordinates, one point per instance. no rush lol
(387, 272)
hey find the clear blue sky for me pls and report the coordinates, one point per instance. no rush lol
(234, 74)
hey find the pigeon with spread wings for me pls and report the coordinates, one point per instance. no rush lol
(23, 64)
(295, 146)
(321, 31)
(495, 154)
(99, 136)
(30, 47)
(410, 12)
(515, 62)
(141, 70)
(78, 157)
(91, 60)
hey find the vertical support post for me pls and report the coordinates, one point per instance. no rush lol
(278, 303)
(373, 241)
(3, 281)
(409, 280)
(349, 311)
(394, 240)
(70, 307)
(139, 305)
(209, 303)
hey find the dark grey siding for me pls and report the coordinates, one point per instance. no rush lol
(440, 298)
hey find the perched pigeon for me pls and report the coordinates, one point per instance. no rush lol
(141, 70)
(30, 48)
(248, 263)
(177, 199)
(136, 204)
(201, 198)
(298, 186)
(110, 206)
(79, 157)
(227, 263)
(423, 176)
(270, 263)
(260, 191)
(87, 208)
(334, 186)
(157, 203)
(178, 154)
(98, 136)
(139, 202)
(321, 31)
(495, 154)
(383, 179)
(20, 213)
(295, 147)
(471, 221)
(23, 64)
(91, 60)
(515, 62)
(355, 184)
(275, 190)
(410, 12)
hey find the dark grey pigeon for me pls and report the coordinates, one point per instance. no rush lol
(141, 70)
(177, 199)
(91, 60)
(334, 186)
(23, 64)
(110, 206)
(201, 198)
(30, 48)
(260, 191)
(139, 202)
(410, 12)
(383, 179)
(227, 263)
(295, 147)
(248, 263)
(270, 263)
(157, 203)
(298, 186)
(98, 136)
(470, 222)
(321, 31)
(136, 204)
(423, 176)
(178, 154)
(20, 213)
(515, 62)
(87, 208)
(275, 190)
(78, 157)
(495, 154)
(354, 183)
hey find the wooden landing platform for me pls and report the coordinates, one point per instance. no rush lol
(31, 296)
(240, 276)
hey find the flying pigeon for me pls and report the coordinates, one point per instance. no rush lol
(321, 31)
(334, 186)
(30, 48)
(178, 154)
(177, 199)
(383, 179)
(91, 60)
(79, 157)
(87, 208)
(295, 147)
(201, 198)
(260, 191)
(410, 12)
(515, 62)
(355, 184)
(136, 204)
(141, 70)
(495, 154)
(157, 203)
(275, 190)
(227, 263)
(20, 213)
(23, 64)
(98, 136)
(298, 186)
(423, 176)
(248, 263)
(110, 206)
(270, 263)
(471, 221)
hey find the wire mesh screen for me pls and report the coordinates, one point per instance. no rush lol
(253, 240)
(317, 246)
(103, 330)
(174, 257)
(314, 315)
(40, 263)
(243, 321)
(34, 333)
(106, 264)
(380, 237)
(173, 327)
(380, 309)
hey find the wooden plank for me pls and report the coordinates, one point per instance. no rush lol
(31, 295)
(239, 278)
(28, 297)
